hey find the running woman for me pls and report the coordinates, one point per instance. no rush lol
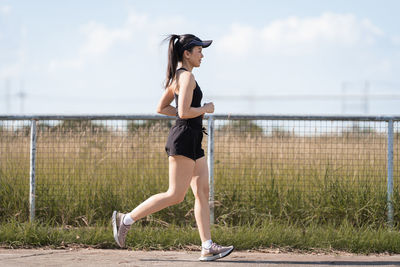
(187, 163)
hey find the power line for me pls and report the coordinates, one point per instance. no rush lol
(302, 97)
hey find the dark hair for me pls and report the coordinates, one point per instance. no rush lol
(177, 45)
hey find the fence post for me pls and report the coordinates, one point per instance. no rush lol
(210, 159)
(32, 172)
(390, 172)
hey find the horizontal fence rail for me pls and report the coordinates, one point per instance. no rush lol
(216, 117)
(76, 169)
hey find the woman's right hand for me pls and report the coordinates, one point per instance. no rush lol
(209, 107)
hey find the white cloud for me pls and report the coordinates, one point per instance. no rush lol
(301, 34)
(239, 41)
(100, 39)
(5, 10)
(137, 21)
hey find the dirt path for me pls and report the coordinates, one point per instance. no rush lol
(108, 257)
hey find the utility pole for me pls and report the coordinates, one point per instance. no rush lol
(21, 96)
(343, 97)
(8, 95)
(362, 100)
(366, 97)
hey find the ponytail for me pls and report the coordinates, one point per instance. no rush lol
(176, 46)
(173, 58)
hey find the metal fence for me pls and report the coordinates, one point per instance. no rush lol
(260, 165)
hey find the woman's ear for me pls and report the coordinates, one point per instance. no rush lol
(186, 54)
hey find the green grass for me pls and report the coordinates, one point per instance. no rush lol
(324, 192)
(267, 235)
(83, 175)
(88, 204)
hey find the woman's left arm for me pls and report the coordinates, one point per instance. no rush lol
(164, 106)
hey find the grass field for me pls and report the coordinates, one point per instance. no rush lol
(267, 235)
(86, 171)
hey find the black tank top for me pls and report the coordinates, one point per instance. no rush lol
(196, 122)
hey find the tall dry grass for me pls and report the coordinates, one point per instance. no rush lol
(83, 173)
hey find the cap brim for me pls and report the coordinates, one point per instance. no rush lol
(200, 43)
(206, 43)
(197, 42)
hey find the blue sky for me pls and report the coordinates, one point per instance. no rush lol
(106, 57)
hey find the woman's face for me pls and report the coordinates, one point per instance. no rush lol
(194, 57)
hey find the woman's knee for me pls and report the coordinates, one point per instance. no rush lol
(200, 190)
(175, 197)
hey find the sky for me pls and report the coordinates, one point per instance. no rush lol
(267, 57)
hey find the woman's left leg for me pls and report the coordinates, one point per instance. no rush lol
(210, 251)
(199, 185)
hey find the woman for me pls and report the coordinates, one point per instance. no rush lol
(187, 163)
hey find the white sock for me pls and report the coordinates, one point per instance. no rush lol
(207, 244)
(128, 219)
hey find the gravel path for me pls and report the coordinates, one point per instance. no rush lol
(107, 257)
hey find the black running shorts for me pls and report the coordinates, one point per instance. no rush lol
(186, 141)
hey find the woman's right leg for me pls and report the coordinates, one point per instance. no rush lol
(180, 174)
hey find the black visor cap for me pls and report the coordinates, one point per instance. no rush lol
(197, 42)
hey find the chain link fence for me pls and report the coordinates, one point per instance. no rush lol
(291, 168)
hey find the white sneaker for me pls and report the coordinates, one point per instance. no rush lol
(119, 228)
(215, 252)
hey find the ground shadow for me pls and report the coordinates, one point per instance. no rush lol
(336, 263)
